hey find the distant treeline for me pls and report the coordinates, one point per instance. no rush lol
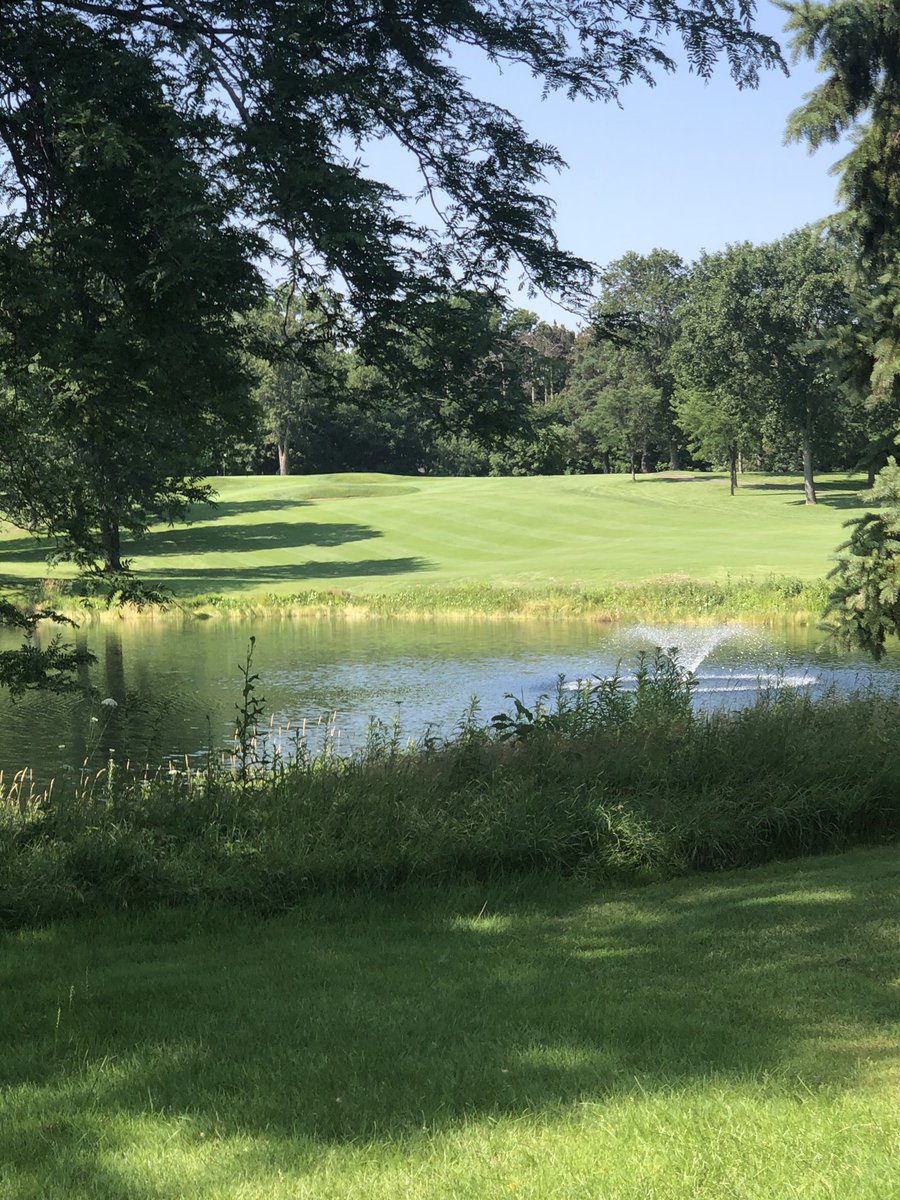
(751, 358)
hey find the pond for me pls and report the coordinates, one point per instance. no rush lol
(176, 683)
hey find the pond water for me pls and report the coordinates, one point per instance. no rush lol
(176, 683)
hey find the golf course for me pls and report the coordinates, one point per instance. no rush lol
(418, 541)
(496, 970)
(449, 608)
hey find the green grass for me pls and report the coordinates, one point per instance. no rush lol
(716, 1037)
(483, 544)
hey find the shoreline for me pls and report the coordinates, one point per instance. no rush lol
(776, 600)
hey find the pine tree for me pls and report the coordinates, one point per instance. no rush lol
(857, 45)
(864, 607)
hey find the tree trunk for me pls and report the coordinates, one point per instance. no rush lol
(870, 476)
(674, 457)
(732, 468)
(644, 460)
(110, 538)
(605, 467)
(284, 455)
(633, 467)
(809, 485)
(740, 463)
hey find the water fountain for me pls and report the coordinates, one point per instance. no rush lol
(717, 686)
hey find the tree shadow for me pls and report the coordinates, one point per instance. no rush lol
(217, 509)
(236, 579)
(25, 549)
(376, 1019)
(831, 493)
(270, 535)
(708, 477)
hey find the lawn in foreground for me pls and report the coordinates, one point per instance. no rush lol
(384, 534)
(730, 1036)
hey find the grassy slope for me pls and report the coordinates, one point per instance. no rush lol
(376, 533)
(735, 1036)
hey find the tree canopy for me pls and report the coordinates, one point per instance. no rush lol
(279, 98)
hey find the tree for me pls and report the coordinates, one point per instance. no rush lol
(614, 407)
(721, 357)
(809, 299)
(857, 47)
(120, 273)
(639, 302)
(544, 354)
(300, 370)
(444, 384)
(755, 349)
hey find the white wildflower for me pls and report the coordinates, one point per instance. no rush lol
(109, 703)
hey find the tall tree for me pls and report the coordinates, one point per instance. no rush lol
(755, 346)
(808, 299)
(120, 273)
(721, 358)
(544, 354)
(856, 44)
(639, 301)
(300, 368)
(616, 412)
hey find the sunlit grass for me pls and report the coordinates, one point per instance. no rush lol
(566, 544)
(735, 1035)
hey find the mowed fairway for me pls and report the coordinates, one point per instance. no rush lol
(734, 1036)
(379, 533)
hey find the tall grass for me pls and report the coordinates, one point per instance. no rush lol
(772, 600)
(603, 782)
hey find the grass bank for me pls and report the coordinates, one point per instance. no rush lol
(608, 784)
(354, 545)
(726, 1036)
(768, 601)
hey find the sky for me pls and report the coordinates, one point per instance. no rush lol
(686, 165)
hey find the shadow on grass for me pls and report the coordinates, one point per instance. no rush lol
(371, 1021)
(831, 493)
(265, 537)
(25, 550)
(651, 477)
(231, 579)
(218, 509)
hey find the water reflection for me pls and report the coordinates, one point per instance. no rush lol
(176, 683)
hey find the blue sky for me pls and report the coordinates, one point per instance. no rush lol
(685, 165)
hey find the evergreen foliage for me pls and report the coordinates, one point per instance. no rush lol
(856, 44)
(864, 607)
